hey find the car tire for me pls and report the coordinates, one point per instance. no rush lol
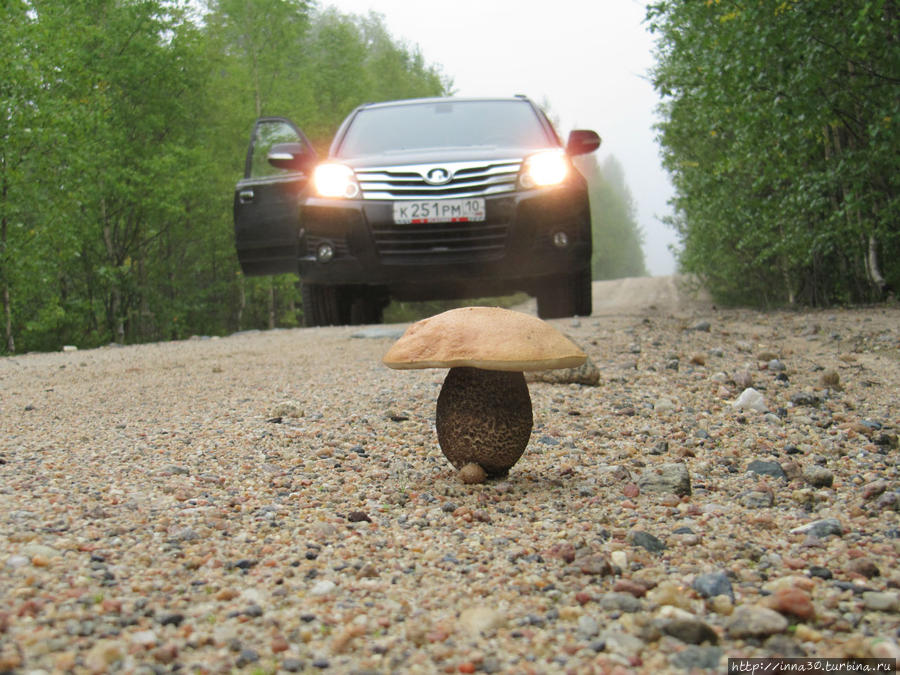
(563, 296)
(583, 287)
(325, 305)
(321, 305)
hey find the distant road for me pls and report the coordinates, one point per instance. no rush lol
(638, 295)
(643, 295)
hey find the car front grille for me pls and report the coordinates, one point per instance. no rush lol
(440, 242)
(465, 179)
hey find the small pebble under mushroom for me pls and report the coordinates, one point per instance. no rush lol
(472, 474)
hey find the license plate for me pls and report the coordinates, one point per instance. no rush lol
(439, 211)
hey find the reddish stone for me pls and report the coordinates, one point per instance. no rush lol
(566, 552)
(631, 490)
(165, 654)
(437, 635)
(583, 598)
(669, 500)
(863, 566)
(874, 489)
(794, 602)
(594, 564)
(30, 608)
(629, 586)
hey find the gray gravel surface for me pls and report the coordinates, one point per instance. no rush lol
(277, 501)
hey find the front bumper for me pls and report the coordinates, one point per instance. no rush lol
(518, 243)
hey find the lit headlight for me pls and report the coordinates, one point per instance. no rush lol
(335, 180)
(549, 167)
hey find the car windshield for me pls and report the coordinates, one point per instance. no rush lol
(443, 124)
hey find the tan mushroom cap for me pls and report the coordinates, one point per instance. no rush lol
(490, 338)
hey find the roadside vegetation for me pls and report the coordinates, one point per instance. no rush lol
(780, 131)
(618, 238)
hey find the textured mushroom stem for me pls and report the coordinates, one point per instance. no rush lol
(484, 416)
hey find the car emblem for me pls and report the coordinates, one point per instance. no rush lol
(438, 176)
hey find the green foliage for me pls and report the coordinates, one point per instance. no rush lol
(123, 130)
(780, 131)
(617, 236)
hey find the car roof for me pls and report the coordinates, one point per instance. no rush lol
(442, 99)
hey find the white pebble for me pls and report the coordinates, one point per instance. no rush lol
(252, 595)
(663, 405)
(16, 561)
(588, 626)
(143, 638)
(481, 619)
(750, 399)
(323, 587)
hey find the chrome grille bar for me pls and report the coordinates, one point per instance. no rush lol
(469, 179)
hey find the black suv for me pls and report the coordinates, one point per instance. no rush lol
(421, 199)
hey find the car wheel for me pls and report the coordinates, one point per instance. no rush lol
(569, 295)
(584, 295)
(321, 305)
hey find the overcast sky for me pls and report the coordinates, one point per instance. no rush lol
(587, 58)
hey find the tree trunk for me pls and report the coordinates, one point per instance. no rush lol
(789, 287)
(7, 303)
(873, 268)
(7, 320)
(145, 316)
(118, 325)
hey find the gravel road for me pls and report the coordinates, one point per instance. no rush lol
(276, 502)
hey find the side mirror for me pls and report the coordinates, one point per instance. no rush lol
(582, 141)
(291, 156)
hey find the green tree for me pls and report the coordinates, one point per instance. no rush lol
(130, 76)
(617, 237)
(780, 132)
(18, 85)
(396, 70)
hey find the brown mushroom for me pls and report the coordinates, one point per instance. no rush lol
(484, 409)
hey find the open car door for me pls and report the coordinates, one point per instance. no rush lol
(267, 199)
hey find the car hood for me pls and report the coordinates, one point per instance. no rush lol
(437, 156)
